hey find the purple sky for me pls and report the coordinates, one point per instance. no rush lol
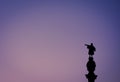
(43, 41)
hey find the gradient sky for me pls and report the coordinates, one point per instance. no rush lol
(43, 40)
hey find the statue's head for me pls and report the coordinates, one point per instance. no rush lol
(92, 44)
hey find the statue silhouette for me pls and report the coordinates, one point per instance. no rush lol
(91, 49)
(91, 65)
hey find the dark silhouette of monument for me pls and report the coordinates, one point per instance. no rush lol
(91, 65)
(91, 48)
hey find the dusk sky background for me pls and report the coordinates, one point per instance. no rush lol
(43, 40)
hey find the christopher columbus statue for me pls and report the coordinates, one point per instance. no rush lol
(91, 49)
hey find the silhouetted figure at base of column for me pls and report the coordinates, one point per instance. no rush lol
(91, 68)
(91, 49)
